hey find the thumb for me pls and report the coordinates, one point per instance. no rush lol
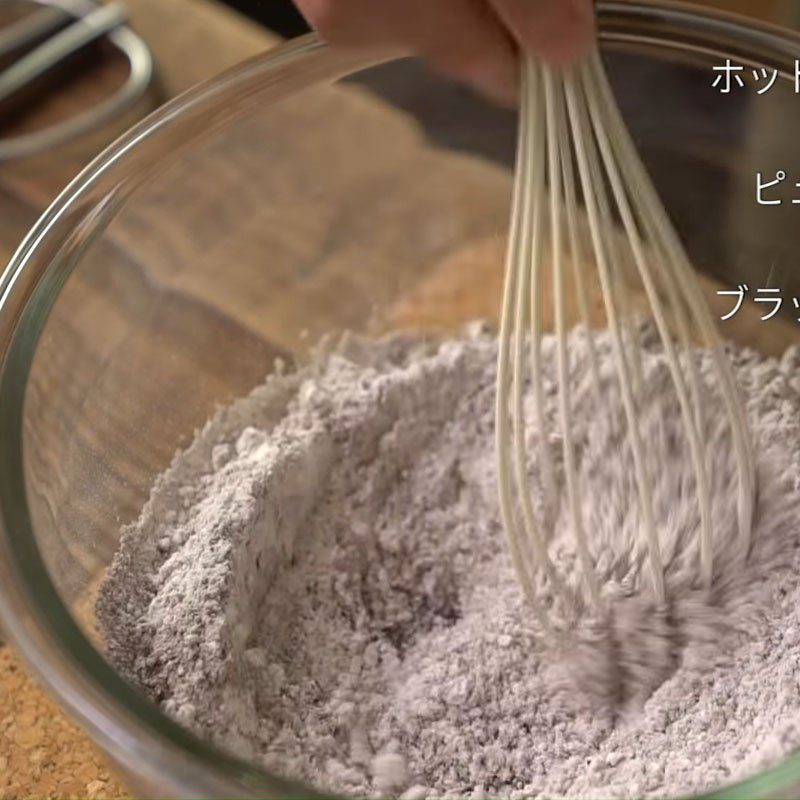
(560, 31)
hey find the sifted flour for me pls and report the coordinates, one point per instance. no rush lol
(320, 583)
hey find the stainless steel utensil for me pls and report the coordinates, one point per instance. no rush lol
(44, 40)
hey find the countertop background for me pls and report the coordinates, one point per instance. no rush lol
(42, 754)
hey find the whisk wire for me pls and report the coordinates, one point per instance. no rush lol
(577, 256)
(536, 301)
(689, 416)
(611, 246)
(502, 423)
(688, 286)
(556, 142)
(531, 205)
(506, 429)
(593, 190)
(572, 134)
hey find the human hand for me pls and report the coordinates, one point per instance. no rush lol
(473, 40)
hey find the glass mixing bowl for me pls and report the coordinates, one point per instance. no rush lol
(305, 192)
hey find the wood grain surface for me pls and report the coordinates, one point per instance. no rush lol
(42, 753)
(173, 312)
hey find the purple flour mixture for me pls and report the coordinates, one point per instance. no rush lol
(320, 584)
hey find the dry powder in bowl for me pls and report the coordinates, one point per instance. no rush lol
(320, 583)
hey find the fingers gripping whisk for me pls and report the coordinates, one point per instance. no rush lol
(591, 245)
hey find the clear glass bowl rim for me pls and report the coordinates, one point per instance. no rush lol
(128, 726)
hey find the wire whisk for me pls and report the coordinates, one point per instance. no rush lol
(584, 210)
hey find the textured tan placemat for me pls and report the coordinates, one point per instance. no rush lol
(42, 754)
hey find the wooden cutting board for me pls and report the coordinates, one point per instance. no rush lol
(451, 272)
(42, 753)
